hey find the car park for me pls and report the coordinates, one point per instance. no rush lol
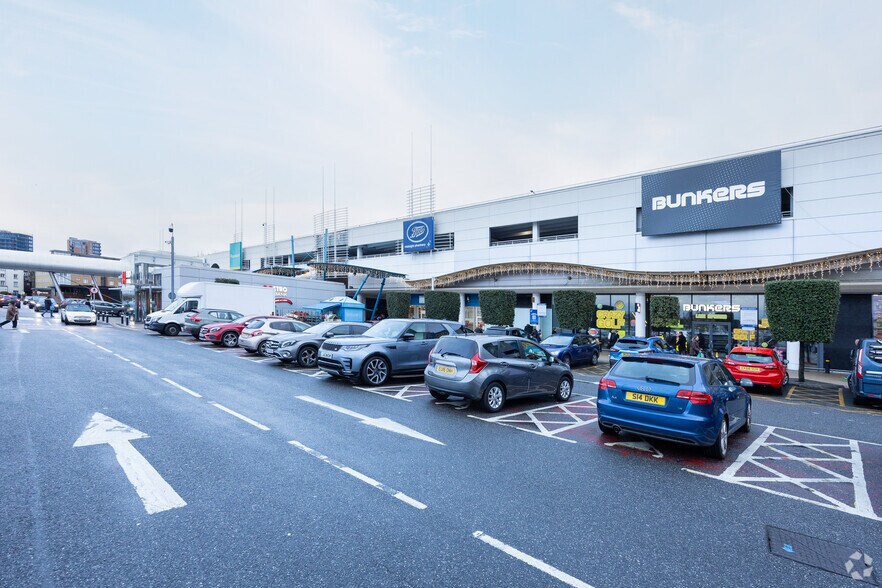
(256, 334)
(303, 347)
(682, 399)
(865, 379)
(194, 322)
(391, 347)
(628, 346)
(573, 349)
(494, 369)
(762, 365)
(227, 334)
(78, 314)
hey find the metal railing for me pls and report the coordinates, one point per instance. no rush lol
(560, 237)
(511, 242)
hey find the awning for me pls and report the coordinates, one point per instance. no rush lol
(322, 306)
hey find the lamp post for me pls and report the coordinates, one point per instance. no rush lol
(171, 230)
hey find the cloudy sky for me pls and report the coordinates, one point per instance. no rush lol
(117, 118)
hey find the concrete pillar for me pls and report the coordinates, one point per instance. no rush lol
(536, 232)
(640, 317)
(462, 308)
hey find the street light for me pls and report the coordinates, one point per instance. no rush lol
(171, 241)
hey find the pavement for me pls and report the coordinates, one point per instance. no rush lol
(131, 459)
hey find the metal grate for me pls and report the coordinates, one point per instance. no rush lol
(824, 555)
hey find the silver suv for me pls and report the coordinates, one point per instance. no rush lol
(303, 347)
(391, 347)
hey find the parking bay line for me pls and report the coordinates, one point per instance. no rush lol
(530, 560)
(121, 357)
(359, 476)
(141, 367)
(240, 416)
(182, 388)
(104, 349)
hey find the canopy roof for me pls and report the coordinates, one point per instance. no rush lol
(345, 268)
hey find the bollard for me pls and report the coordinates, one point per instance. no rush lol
(826, 366)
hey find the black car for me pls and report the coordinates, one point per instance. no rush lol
(105, 307)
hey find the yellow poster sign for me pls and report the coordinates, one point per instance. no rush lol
(610, 319)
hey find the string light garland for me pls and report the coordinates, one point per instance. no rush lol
(813, 268)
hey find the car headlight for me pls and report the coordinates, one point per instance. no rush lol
(288, 343)
(352, 347)
(214, 329)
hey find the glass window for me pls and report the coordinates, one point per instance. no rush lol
(458, 346)
(341, 330)
(254, 324)
(506, 348)
(674, 372)
(530, 350)
(358, 329)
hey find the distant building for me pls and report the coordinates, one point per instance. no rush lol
(77, 246)
(16, 241)
(16, 280)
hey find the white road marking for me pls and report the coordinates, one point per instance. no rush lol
(155, 493)
(531, 561)
(381, 423)
(240, 416)
(182, 388)
(87, 341)
(121, 357)
(104, 349)
(359, 476)
(141, 367)
(639, 446)
(25, 331)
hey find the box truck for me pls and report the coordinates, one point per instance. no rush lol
(198, 295)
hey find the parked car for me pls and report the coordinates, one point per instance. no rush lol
(628, 346)
(256, 334)
(194, 322)
(573, 349)
(106, 307)
(503, 330)
(865, 379)
(227, 334)
(683, 399)
(391, 347)
(493, 369)
(78, 314)
(303, 347)
(761, 364)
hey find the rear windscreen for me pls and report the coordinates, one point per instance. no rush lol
(454, 346)
(631, 344)
(874, 351)
(254, 324)
(751, 358)
(654, 371)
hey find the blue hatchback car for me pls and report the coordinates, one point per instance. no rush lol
(865, 379)
(627, 346)
(682, 399)
(572, 349)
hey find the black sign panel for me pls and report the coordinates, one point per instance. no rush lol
(741, 192)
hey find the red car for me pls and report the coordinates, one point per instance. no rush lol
(227, 334)
(761, 365)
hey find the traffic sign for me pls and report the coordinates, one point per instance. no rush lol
(93, 289)
(172, 296)
(534, 316)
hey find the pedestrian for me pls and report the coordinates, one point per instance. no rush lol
(613, 337)
(11, 314)
(47, 307)
(852, 355)
(695, 346)
(680, 343)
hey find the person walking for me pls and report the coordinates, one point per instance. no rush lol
(680, 343)
(695, 346)
(47, 307)
(613, 337)
(11, 314)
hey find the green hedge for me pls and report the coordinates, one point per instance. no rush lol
(442, 305)
(497, 306)
(664, 311)
(398, 304)
(575, 309)
(803, 310)
(226, 281)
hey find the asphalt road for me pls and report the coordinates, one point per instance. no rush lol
(532, 497)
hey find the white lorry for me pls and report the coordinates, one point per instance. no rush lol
(198, 295)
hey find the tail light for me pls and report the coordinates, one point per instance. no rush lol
(257, 333)
(605, 384)
(196, 319)
(615, 349)
(477, 364)
(860, 363)
(695, 397)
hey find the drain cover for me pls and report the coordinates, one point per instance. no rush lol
(825, 555)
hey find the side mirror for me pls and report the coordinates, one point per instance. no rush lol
(745, 382)
(328, 335)
(786, 362)
(407, 337)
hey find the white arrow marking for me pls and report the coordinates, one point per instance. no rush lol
(639, 446)
(155, 492)
(380, 423)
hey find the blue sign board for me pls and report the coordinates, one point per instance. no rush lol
(419, 234)
(534, 316)
(741, 192)
(236, 255)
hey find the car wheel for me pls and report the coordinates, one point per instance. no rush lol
(230, 339)
(605, 429)
(171, 330)
(375, 371)
(748, 421)
(564, 390)
(565, 360)
(493, 398)
(261, 348)
(249, 350)
(857, 400)
(439, 395)
(308, 356)
(594, 357)
(721, 445)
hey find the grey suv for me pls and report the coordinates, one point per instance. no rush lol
(303, 347)
(391, 347)
(493, 369)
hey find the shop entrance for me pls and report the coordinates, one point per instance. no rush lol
(715, 337)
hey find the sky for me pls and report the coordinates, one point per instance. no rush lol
(118, 118)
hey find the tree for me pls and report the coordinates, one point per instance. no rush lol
(575, 309)
(398, 304)
(442, 305)
(664, 312)
(802, 311)
(498, 306)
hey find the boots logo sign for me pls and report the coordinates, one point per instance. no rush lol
(419, 235)
(740, 192)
